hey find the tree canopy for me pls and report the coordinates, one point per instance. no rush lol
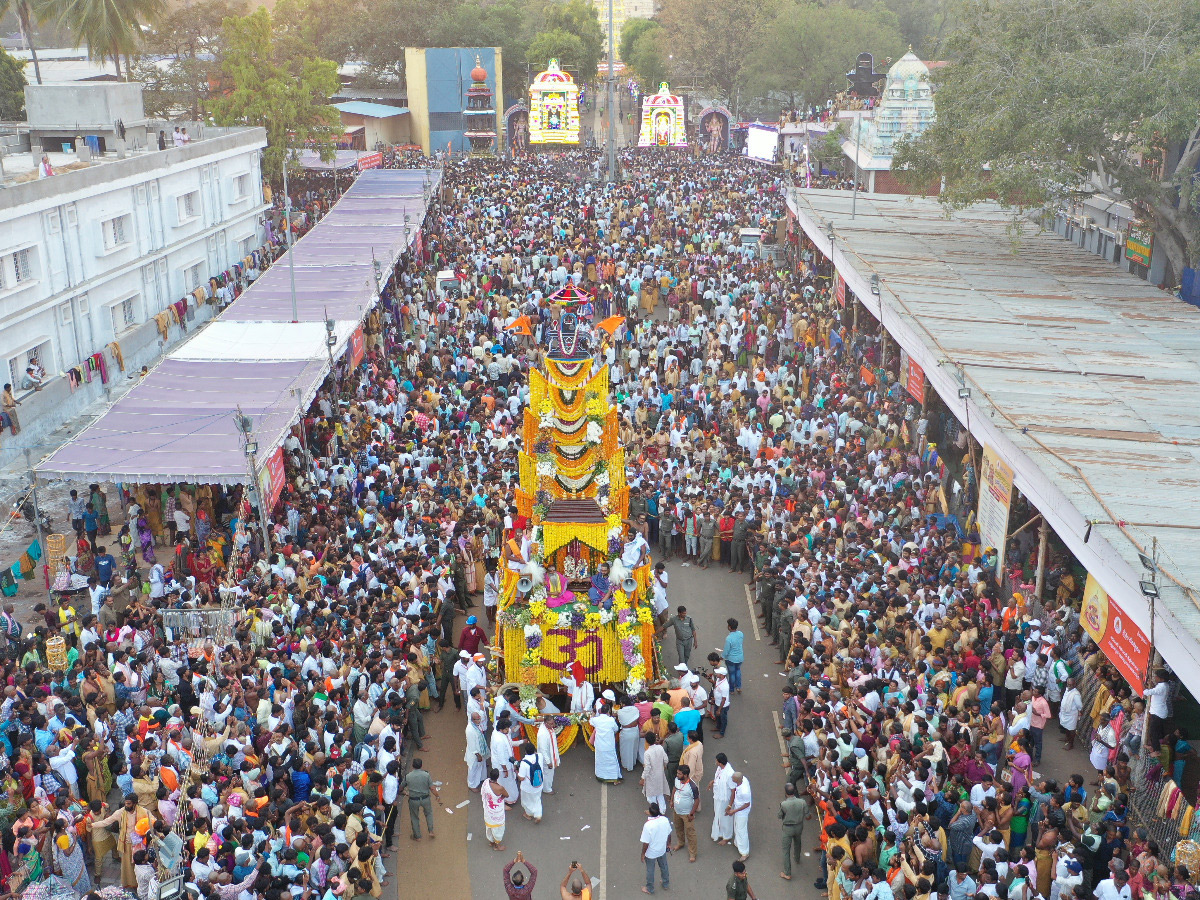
(287, 95)
(1047, 101)
(804, 50)
(12, 87)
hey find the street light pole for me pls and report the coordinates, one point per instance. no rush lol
(857, 134)
(287, 213)
(37, 510)
(612, 113)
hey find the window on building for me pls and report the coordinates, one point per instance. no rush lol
(22, 263)
(124, 314)
(241, 187)
(116, 232)
(53, 222)
(192, 275)
(245, 247)
(19, 363)
(189, 205)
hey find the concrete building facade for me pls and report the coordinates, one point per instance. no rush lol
(90, 256)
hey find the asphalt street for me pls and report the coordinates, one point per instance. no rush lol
(600, 825)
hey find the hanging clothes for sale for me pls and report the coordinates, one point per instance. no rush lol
(8, 584)
(26, 566)
(35, 551)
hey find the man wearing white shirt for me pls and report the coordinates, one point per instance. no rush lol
(1156, 697)
(655, 835)
(739, 808)
(1114, 888)
(720, 699)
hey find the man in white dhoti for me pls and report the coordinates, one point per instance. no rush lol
(502, 758)
(654, 772)
(495, 797)
(630, 740)
(722, 788)
(547, 748)
(478, 753)
(739, 809)
(608, 766)
(531, 777)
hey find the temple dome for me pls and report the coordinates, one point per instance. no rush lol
(907, 66)
(479, 73)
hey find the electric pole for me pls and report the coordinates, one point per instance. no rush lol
(612, 111)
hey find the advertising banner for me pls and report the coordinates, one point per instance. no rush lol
(271, 478)
(1139, 244)
(1126, 646)
(839, 289)
(995, 500)
(915, 382)
(358, 347)
(370, 161)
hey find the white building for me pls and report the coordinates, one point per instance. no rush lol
(91, 255)
(905, 110)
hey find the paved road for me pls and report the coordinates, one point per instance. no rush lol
(600, 825)
(603, 823)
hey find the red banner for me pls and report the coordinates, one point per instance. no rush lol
(418, 247)
(358, 347)
(1123, 642)
(272, 478)
(370, 161)
(916, 381)
(840, 289)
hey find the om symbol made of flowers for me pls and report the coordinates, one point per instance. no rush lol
(562, 646)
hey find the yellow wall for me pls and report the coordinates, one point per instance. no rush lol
(418, 98)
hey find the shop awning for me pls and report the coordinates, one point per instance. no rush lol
(178, 424)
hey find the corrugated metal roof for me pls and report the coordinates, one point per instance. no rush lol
(1091, 372)
(372, 110)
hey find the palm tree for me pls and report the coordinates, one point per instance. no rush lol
(28, 13)
(110, 27)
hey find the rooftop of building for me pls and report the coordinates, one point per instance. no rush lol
(21, 184)
(1087, 372)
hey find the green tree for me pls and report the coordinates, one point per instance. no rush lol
(29, 12)
(383, 28)
(804, 50)
(707, 40)
(558, 44)
(286, 95)
(506, 24)
(325, 27)
(181, 59)
(12, 87)
(924, 24)
(1047, 101)
(110, 28)
(630, 32)
(580, 18)
(646, 58)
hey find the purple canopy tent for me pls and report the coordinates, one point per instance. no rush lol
(335, 262)
(178, 426)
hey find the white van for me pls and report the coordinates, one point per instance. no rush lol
(448, 286)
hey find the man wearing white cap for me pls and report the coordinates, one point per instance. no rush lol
(720, 699)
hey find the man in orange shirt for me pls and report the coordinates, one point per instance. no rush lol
(725, 530)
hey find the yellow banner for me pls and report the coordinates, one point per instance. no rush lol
(598, 651)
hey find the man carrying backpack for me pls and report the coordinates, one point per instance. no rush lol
(530, 778)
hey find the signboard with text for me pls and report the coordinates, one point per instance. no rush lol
(358, 347)
(915, 382)
(271, 478)
(370, 161)
(995, 500)
(840, 289)
(1124, 643)
(1139, 244)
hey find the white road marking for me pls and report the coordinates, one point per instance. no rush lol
(753, 614)
(779, 732)
(603, 842)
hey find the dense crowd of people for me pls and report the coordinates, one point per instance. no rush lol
(761, 434)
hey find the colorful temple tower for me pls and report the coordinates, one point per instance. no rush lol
(575, 588)
(554, 107)
(480, 114)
